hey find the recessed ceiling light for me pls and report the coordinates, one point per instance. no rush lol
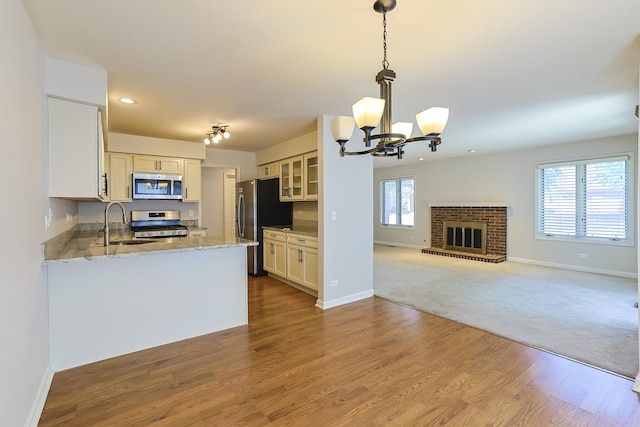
(472, 151)
(421, 158)
(127, 100)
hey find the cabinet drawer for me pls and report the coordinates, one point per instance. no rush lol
(278, 236)
(302, 240)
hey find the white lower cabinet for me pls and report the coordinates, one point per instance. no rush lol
(292, 256)
(302, 260)
(302, 265)
(274, 256)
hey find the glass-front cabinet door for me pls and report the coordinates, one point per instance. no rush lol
(291, 179)
(311, 176)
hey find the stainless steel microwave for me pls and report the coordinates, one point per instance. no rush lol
(157, 187)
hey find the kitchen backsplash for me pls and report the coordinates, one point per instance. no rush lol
(305, 214)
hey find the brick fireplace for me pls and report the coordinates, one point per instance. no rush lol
(492, 214)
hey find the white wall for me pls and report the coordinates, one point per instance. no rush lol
(213, 201)
(507, 177)
(23, 291)
(136, 144)
(292, 147)
(346, 243)
(242, 161)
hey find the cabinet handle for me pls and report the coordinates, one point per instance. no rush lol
(128, 191)
(186, 193)
(272, 247)
(301, 240)
(160, 162)
(299, 255)
(106, 185)
(266, 171)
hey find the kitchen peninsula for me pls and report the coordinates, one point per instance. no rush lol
(106, 301)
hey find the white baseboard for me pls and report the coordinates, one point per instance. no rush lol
(575, 268)
(400, 245)
(41, 398)
(344, 300)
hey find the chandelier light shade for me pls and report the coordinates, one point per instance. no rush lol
(216, 134)
(342, 128)
(370, 113)
(432, 121)
(403, 128)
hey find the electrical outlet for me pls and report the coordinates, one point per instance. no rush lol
(333, 283)
(190, 212)
(333, 215)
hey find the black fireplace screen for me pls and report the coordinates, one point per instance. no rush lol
(465, 236)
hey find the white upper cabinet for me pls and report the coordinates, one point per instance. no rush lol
(76, 151)
(269, 171)
(191, 181)
(153, 164)
(119, 179)
(76, 112)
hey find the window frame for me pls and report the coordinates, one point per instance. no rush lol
(630, 200)
(381, 223)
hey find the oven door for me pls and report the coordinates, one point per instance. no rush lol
(159, 187)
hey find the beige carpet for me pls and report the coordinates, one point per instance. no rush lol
(583, 316)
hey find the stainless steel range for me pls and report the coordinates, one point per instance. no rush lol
(157, 224)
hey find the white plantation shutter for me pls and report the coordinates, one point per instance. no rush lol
(584, 199)
(605, 199)
(557, 204)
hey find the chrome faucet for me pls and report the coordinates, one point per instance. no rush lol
(106, 220)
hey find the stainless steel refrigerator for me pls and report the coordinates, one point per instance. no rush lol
(257, 205)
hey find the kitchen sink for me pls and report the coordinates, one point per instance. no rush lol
(130, 242)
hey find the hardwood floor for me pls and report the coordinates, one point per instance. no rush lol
(367, 363)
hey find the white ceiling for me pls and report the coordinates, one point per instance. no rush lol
(513, 73)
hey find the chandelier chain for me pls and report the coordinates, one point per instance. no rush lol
(385, 63)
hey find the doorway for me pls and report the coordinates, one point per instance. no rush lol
(218, 202)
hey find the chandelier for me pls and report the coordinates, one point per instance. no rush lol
(368, 113)
(216, 134)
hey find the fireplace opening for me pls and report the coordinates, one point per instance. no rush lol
(465, 236)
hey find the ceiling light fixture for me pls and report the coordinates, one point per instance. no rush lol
(216, 134)
(127, 101)
(369, 112)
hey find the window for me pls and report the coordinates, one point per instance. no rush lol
(397, 202)
(587, 199)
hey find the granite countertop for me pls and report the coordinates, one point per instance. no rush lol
(89, 245)
(307, 231)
